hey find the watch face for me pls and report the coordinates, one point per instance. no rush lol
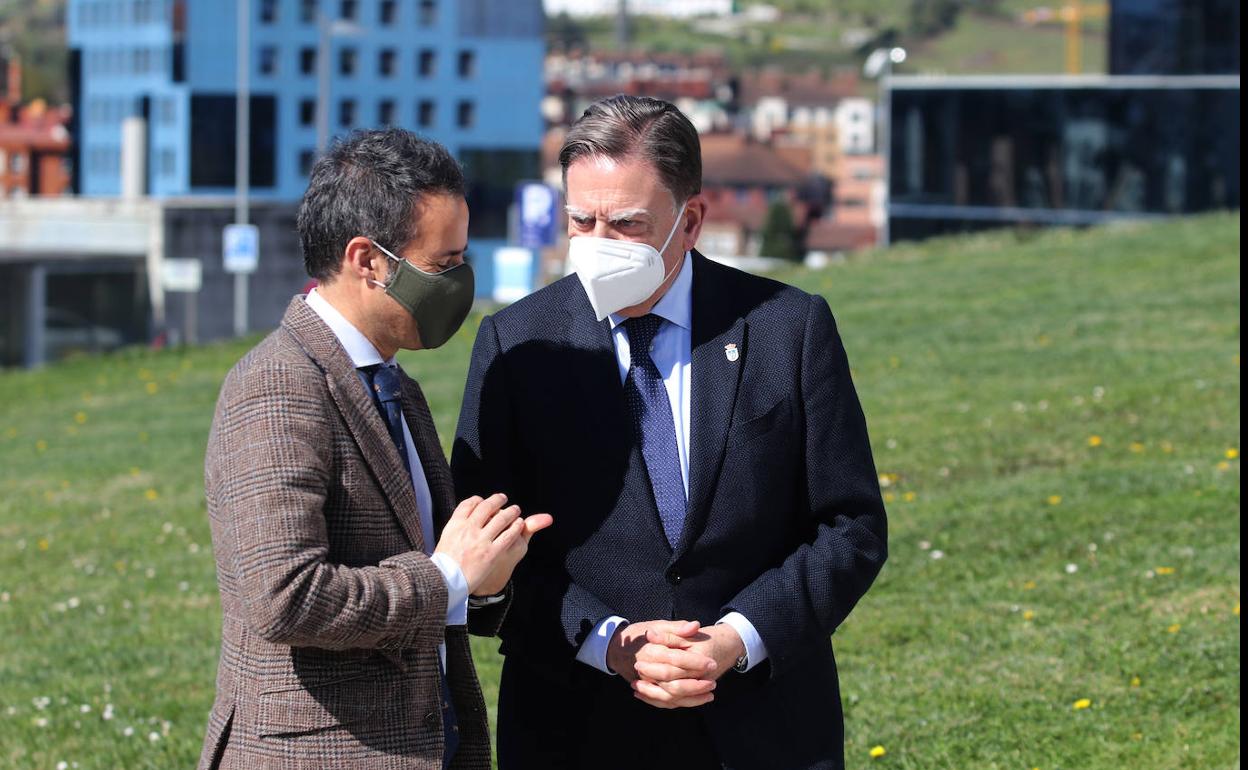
(742, 662)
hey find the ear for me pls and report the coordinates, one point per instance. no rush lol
(363, 261)
(695, 216)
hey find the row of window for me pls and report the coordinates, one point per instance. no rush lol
(425, 116)
(103, 13)
(114, 109)
(349, 62)
(349, 10)
(145, 60)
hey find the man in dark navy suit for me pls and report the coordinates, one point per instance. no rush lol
(695, 432)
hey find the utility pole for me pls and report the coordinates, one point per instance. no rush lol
(242, 155)
(623, 33)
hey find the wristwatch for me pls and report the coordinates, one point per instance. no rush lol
(742, 663)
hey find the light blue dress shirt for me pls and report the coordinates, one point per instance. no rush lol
(672, 353)
(363, 353)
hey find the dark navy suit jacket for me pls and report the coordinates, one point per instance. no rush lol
(785, 522)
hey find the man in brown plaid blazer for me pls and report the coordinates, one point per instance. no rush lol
(349, 578)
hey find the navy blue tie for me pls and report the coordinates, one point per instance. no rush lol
(653, 425)
(386, 388)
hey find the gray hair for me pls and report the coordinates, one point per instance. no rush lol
(621, 127)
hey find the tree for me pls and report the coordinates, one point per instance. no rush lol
(779, 235)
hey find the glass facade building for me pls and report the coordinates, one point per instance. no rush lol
(968, 153)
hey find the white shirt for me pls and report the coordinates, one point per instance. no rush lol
(672, 353)
(363, 353)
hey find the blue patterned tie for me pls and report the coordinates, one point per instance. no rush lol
(653, 425)
(386, 388)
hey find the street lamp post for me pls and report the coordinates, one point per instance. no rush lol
(879, 65)
(327, 30)
(242, 154)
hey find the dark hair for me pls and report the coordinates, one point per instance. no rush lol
(653, 130)
(369, 184)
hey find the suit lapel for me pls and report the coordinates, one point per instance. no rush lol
(358, 412)
(602, 408)
(714, 380)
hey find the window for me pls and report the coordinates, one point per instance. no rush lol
(465, 114)
(212, 140)
(346, 113)
(425, 113)
(306, 159)
(348, 10)
(268, 60)
(388, 11)
(425, 63)
(428, 13)
(346, 62)
(307, 61)
(387, 62)
(307, 112)
(268, 11)
(385, 112)
(308, 10)
(168, 163)
(466, 64)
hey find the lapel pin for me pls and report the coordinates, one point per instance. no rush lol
(731, 352)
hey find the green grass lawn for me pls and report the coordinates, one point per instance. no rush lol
(1055, 416)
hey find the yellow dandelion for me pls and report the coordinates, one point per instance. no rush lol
(135, 471)
(889, 497)
(1164, 570)
(86, 396)
(143, 437)
(1167, 447)
(1232, 453)
(1055, 499)
(43, 544)
(1135, 681)
(1095, 441)
(1136, 447)
(894, 361)
(909, 497)
(80, 418)
(1030, 585)
(1137, 736)
(1029, 615)
(1236, 610)
(41, 446)
(151, 494)
(877, 752)
(1082, 703)
(1174, 629)
(145, 374)
(48, 496)
(152, 388)
(1224, 466)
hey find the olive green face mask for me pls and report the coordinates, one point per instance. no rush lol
(438, 301)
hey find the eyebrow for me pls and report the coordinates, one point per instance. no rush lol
(613, 217)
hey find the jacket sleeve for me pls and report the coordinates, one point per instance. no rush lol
(268, 473)
(803, 599)
(556, 611)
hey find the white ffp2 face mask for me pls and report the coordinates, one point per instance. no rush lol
(618, 274)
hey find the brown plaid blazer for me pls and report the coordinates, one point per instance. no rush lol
(331, 612)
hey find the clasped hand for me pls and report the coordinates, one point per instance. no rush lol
(487, 541)
(674, 664)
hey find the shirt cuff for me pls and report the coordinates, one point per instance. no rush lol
(593, 651)
(456, 589)
(755, 650)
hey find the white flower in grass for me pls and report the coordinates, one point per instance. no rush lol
(41, 721)
(925, 545)
(10, 711)
(938, 554)
(5, 597)
(1072, 568)
(108, 712)
(60, 607)
(151, 573)
(128, 732)
(62, 765)
(167, 527)
(85, 708)
(42, 702)
(153, 736)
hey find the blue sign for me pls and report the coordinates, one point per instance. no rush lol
(513, 273)
(240, 248)
(535, 206)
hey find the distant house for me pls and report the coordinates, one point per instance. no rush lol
(35, 145)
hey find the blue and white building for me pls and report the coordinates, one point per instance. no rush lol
(467, 73)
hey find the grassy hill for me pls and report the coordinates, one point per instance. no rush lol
(1055, 416)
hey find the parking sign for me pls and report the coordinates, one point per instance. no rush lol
(240, 247)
